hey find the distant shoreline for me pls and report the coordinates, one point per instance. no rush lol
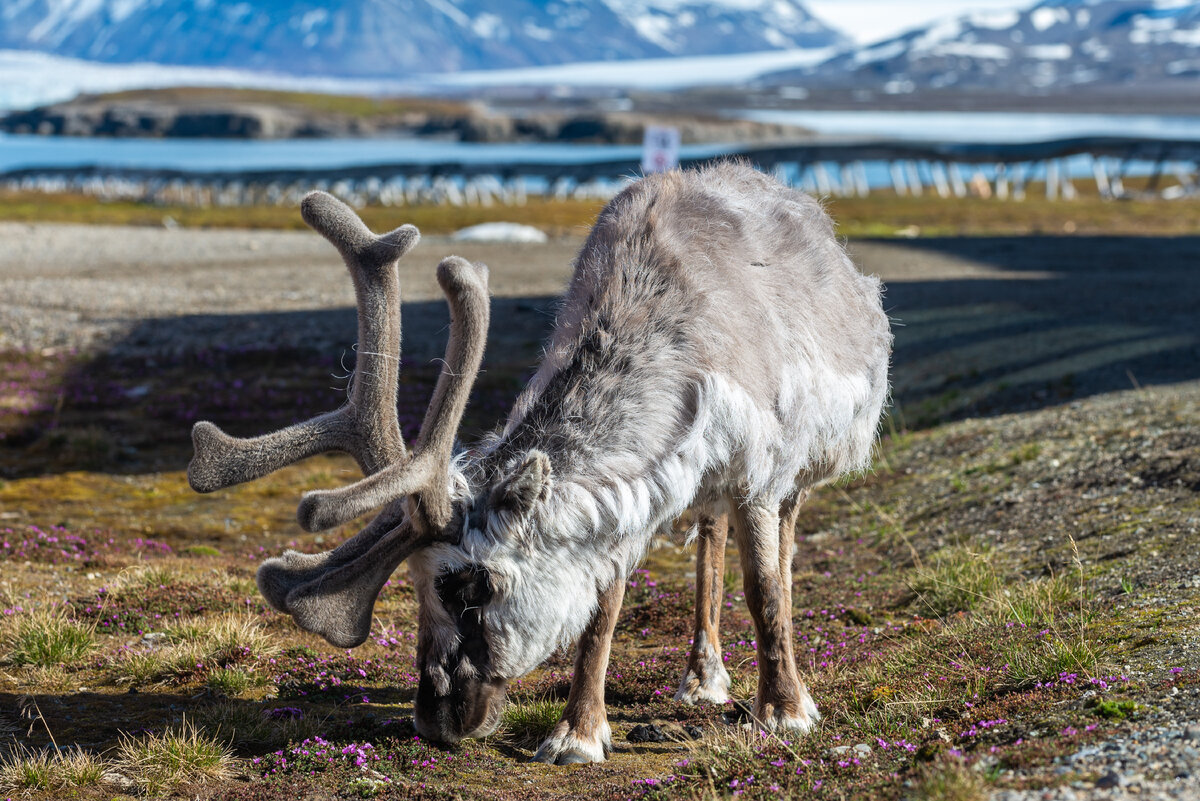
(220, 113)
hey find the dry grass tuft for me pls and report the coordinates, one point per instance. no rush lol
(949, 781)
(195, 646)
(24, 769)
(184, 754)
(956, 580)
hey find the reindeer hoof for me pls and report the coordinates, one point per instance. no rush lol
(573, 758)
(713, 689)
(779, 719)
(565, 748)
(569, 757)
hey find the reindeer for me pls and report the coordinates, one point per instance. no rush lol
(716, 350)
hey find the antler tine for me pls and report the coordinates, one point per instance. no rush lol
(338, 604)
(277, 577)
(366, 427)
(424, 477)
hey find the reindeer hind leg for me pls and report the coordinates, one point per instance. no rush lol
(705, 678)
(789, 510)
(780, 700)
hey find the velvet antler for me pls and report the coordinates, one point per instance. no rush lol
(333, 593)
(366, 427)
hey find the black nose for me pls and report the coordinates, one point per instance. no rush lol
(471, 709)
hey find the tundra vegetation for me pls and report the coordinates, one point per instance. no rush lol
(993, 595)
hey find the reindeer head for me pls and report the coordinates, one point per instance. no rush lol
(428, 510)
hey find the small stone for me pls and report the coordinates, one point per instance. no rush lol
(118, 780)
(862, 749)
(646, 733)
(153, 638)
(1111, 779)
(839, 750)
(1191, 733)
(695, 732)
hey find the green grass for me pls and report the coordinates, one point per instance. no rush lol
(880, 215)
(182, 754)
(530, 721)
(357, 106)
(233, 682)
(48, 638)
(555, 217)
(1114, 709)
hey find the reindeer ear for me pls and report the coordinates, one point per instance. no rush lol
(523, 487)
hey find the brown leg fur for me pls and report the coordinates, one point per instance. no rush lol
(782, 701)
(583, 734)
(705, 677)
(789, 510)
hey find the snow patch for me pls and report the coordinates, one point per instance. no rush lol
(1049, 52)
(994, 20)
(882, 52)
(657, 29)
(488, 26)
(1044, 18)
(538, 33)
(500, 232)
(659, 73)
(451, 11)
(311, 19)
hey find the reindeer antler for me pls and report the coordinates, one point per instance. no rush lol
(366, 427)
(465, 286)
(333, 593)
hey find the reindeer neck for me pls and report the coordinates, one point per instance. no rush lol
(611, 422)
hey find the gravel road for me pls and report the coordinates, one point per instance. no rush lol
(983, 324)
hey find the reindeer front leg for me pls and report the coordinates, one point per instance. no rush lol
(705, 677)
(782, 701)
(583, 734)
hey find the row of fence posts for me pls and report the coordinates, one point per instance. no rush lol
(1004, 181)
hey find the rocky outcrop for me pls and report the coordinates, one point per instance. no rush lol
(99, 116)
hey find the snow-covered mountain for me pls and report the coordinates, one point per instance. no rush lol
(394, 38)
(1051, 46)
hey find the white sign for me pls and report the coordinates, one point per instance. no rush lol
(660, 149)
